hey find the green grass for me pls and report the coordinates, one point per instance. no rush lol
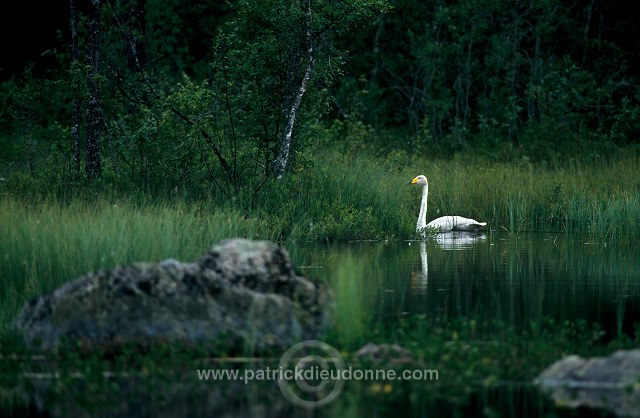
(341, 196)
(601, 200)
(43, 245)
(45, 241)
(345, 197)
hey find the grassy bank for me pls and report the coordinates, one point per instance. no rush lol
(45, 244)
(346, 197)
(341, 196)
(46, 240)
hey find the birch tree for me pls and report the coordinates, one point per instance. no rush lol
(285, 147)
(272, 69)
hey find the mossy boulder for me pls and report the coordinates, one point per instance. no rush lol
(240, 295)
(610, 383)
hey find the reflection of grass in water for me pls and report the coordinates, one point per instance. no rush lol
(526, 278)
(355, 289)
(500, 325)
(474, 350)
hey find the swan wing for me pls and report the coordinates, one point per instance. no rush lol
(455, 223)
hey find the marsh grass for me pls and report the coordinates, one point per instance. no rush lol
(45, 241)
(342, 197)
(46, 244)
(602, 200)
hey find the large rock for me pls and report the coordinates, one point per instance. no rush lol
(602, 382)
(240, 296)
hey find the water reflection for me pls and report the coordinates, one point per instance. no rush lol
(445, 241)
(458, 240)
(515, 279)
(420, 279)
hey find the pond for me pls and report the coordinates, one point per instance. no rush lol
(424, 295)
(514, 279)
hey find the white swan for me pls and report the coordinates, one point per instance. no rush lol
(444, 223)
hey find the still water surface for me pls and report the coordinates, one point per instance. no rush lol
(514, 279)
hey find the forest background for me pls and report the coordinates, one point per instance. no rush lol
(307, 118)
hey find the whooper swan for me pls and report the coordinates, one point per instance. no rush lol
(443, 223)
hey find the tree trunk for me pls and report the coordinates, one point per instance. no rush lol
(376, 67)
(512, 116)
(285, 148)
(468, 76)
(31, 144)
(94, 111)
(75, 86)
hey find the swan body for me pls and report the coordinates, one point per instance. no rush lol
(443, 223)
(455, 223)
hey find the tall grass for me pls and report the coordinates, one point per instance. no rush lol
(46, 244)
(335, 197)
(602, 200)
(342, 197)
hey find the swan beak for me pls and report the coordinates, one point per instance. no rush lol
(414, 181)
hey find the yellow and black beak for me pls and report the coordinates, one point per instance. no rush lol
(414, 181)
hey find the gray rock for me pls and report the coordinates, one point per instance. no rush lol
(602, 382)
(242, 296)
(385, 354)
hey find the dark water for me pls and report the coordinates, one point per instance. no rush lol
(514, 279)
(508, 278)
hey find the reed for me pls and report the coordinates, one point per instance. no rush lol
(336, 197)
(43, 245)
(602, 200)
(342, 197)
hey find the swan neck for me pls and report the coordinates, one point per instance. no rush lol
(422, 217)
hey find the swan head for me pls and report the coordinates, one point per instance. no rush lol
(421, 180)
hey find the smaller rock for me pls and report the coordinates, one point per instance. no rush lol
(603, 382)
(385, 354)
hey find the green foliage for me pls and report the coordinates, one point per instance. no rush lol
(174, 126)
(486, 72)
(29, 124)
(44, 244)
(260, 60)
(198, 94)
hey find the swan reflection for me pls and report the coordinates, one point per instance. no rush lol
(446, 241)
(458, 240)
(419, 279)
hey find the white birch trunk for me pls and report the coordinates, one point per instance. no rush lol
(285, 148)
